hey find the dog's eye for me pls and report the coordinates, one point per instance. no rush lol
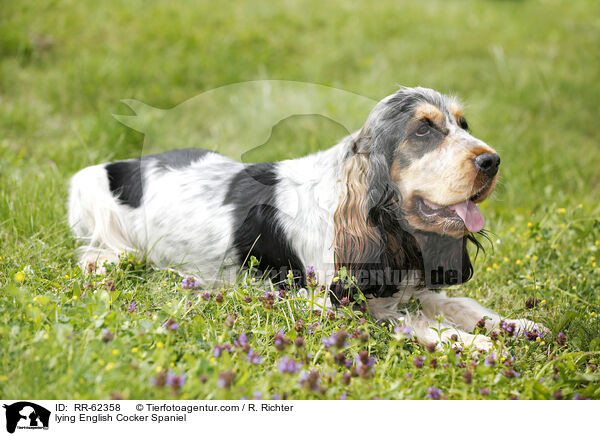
(463, 123)
(424, 129)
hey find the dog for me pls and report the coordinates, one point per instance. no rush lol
(393, 205)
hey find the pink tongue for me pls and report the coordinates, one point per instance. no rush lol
(470, 214)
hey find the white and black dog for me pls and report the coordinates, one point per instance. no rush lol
(394, 203)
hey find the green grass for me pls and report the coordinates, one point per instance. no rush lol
(531, 87)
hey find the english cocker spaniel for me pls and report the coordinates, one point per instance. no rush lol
(393, 205)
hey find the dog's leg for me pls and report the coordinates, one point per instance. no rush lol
(465, 313)
(424, 327)
(93, 260)
(97, 220)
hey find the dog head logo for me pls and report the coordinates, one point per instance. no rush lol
(26, 415)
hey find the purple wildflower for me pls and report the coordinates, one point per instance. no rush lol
(509, 328)
(107, 335)
(338, 340)
(160, 379)
(313, 327)
(206, 296)
(561, 339)
(281, 341)
(531, 303)
(131, 308)
(310, 380)
(328, 341)
(241, 340)
(490, 361)
(340, 358)
(509, 361)
(458, 349)
(510, 373)
(404, 330)
(343, 397)
(364, 364)
(257, 395)
(171, 325)
(268, 300)
(311, 276)
(253, 357)
(468, 377)
(484, 392)
(225, 379)
(434, 393)
(418, 361)
(533, 335)
(218, 350)
(175, 381)
(287, 365)
(190, 283)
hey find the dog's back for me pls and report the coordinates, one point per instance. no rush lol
(149, 205)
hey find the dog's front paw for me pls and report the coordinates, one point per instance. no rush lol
(482, 343)
(477, 343)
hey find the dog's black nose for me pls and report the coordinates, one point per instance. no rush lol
(487, 163)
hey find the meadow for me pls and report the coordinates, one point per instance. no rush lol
(528, 72)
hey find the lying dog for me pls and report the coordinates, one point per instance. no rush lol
(394, 204)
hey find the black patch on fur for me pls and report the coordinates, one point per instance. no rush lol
(418, 146)
(125, 178)
(257, 230)
(125, 181)
(446, 260)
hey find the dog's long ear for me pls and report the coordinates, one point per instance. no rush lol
(446, 260)
(369, 240)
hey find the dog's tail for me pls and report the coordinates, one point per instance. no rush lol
(96, 218)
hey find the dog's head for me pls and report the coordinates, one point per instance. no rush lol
(411, 184)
